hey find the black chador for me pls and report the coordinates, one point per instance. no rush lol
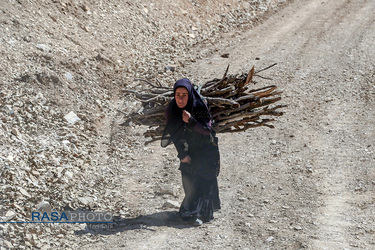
(194, 140)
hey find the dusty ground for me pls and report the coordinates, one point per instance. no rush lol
(308, 183)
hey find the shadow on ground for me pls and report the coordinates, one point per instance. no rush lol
(142, 222)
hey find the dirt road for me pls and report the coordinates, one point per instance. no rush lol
(308, 183)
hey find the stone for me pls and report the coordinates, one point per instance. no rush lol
(7, 244)
(68, 174)
(169, 68)
(270, 239)
(10, 158)
(9, 215)
(15, 132)
(8, 109)
(168, 190)
(71, 117)
(24, 192)
(68, 76)
(42, 47)
(44, 206)
(85, 200)
(171, 204)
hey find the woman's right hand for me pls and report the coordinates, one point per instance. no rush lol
(185, 116)
(187, 159)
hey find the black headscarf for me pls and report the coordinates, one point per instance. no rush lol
(196, 107)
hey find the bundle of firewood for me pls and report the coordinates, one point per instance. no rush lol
(234, 105)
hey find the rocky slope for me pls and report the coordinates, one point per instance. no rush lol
(64, 64)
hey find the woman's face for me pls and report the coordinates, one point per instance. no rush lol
(181, 96)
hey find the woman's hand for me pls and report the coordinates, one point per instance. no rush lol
(185, 116)
(187, 159)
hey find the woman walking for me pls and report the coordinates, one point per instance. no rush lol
(189, 128)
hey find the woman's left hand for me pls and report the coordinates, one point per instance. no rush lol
(186, 116)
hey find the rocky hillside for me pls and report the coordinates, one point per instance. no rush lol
(63, 66)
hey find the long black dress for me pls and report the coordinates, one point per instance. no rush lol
(197, 140)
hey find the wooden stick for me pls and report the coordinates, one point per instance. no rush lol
(221, 101)
(250, 76)
(233, 104)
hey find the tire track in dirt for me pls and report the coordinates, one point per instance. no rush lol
(336, 219)
(319, 44)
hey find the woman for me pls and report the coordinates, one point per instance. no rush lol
(189, 128)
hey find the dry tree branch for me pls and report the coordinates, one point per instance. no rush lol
(234, 106)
